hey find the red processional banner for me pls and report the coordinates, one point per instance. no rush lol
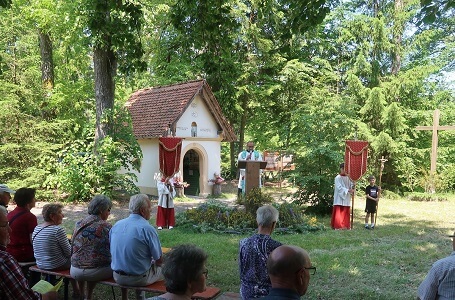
(355, 159)
(170, 149)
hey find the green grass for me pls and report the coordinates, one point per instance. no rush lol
(386, 263)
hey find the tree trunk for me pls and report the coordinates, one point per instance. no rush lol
(104, 67)
(398, 28)
(47, 63)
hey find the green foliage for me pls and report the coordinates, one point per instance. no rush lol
(434, 9)
(280, 78)
(216, 216)
(254, 199)
(115, 26)
(82, 173)
(293, 218)
(320, 153)
(425, 197)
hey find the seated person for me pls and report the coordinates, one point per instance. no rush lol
(22, 223)
(440, 280)
(135, 247)
(253, 254)
(91, 258)
(5, 195)
(290, 269)
(184, 272)
(50, 244)
(13, 285)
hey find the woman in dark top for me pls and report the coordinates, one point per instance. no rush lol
(253, 254)
(22, 223)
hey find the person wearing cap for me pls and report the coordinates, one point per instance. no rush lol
(344, 188)
(5, 195)
(440, 280)
(13, 284)
(289, 269)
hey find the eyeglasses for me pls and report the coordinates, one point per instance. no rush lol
(311, 270)
(6, 224)
(206, 273)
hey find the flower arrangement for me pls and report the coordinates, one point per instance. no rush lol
(217, 179)
(178, 183)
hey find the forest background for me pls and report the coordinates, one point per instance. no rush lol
(299, 77)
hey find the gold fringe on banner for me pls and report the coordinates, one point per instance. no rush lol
(170, 149)
(357, 153)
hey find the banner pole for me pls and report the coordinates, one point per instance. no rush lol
(382, 160)
(352, 206)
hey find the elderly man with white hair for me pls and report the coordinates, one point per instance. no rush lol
(135, 247)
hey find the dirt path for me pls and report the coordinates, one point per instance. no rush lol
(74, 212)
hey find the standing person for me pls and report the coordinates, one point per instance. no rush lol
(5, 195)
(253, 254)
(91, 256)
(51, 247)
(344, 189)
(185, 272)
(440, 280)
(135, 247)
(22, 223)
(13, 284)
(372, 194)
(290, 270)
(248, 154)
(165, 216)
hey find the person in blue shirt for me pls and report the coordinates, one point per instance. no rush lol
(135, 247)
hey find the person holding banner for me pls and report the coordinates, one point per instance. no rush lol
(344, 189)
(165, 217)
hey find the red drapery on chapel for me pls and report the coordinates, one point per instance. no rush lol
(169, 155)
(355, 159)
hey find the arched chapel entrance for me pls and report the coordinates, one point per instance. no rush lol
(191, 172)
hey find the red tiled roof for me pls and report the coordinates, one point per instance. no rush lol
(153, 109)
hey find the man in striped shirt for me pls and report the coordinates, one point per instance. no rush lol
(440, 281)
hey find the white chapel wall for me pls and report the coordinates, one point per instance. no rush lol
(197, 112)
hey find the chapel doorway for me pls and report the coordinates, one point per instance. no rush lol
(191, 172)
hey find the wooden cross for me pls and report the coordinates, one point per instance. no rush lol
(434, 143)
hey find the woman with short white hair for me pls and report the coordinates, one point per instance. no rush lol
(253, 254)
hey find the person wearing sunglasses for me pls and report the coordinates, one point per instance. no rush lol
(290, 269)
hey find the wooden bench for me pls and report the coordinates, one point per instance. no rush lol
(157, 287)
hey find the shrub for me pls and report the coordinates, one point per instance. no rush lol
(255, 199)
(216, 216)
(425, 197)
(84, 170)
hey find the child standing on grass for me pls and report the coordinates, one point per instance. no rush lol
(372, 193)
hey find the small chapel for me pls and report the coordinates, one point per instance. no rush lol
(188, 115)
